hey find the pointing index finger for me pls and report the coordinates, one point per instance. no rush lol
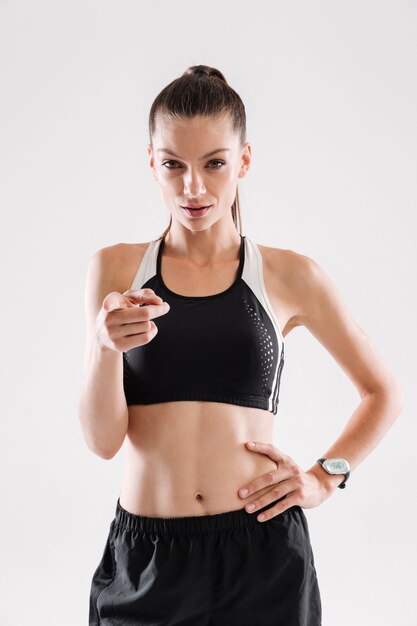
(152, 310)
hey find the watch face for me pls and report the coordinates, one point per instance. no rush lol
(336, 466)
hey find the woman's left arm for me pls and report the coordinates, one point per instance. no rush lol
(325, 314)
(319, 306)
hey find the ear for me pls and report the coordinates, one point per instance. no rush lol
(245, 159)
(152, 161)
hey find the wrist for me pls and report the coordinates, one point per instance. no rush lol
(99, 346)
(328, 481)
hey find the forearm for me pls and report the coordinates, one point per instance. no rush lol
(364, 430)
(102, 405)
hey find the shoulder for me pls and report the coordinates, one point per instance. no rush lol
(113, 267)
(288, 266)
(296, 277)
(285, 258)
(109, 269)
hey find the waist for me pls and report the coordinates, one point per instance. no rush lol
(193, 465)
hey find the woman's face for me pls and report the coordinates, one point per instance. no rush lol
(197, 161)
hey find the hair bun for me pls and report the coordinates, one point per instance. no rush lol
(201, 71)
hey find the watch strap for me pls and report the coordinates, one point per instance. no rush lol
(346, 476)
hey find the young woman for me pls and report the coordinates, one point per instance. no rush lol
(190, 379)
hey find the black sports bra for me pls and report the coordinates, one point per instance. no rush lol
(226, 347)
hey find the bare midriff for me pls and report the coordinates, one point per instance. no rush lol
(188, 458)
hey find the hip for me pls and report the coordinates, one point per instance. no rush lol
(224, 567)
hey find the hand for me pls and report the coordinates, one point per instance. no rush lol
(125, 320)
(288, 481)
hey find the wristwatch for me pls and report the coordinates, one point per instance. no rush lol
(336, 466)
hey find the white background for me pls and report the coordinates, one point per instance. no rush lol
(330, 94)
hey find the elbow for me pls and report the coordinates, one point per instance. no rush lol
(391, 394)
(106, 455)
(398, 394)
(395, 396)
(401, 402)
(105, 448)
(103, 453)
(109, 453)
(401, 399)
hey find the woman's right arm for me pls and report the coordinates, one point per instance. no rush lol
(102, 407)
(115, 324)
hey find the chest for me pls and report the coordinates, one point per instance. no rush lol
(182, 278)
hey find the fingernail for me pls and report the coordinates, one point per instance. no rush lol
(251, 444)
(250, 507)
(243, 492)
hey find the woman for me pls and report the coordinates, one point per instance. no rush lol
(193, 377)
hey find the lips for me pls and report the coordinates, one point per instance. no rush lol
(196, 211)
(196, 206)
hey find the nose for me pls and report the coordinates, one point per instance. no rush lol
(194, 185)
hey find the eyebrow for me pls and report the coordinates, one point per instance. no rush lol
(203, 157)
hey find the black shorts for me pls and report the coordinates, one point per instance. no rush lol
(225, 569)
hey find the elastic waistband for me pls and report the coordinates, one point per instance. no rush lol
(197, 523)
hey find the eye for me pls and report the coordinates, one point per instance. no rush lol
(169, 168)
(212, 161)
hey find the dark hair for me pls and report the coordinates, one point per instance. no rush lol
(201, 90)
